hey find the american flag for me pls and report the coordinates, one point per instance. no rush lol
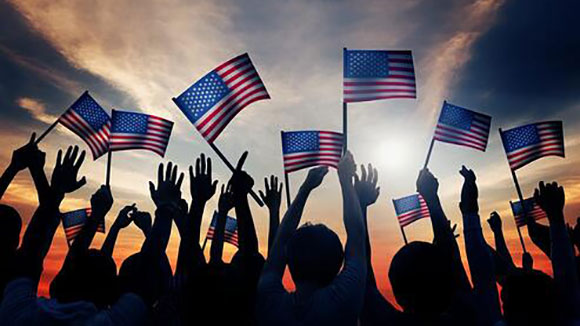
(374, 75)
(528, 143)
(410, 208)
(464, 127)
(532, 209)
(74, 221)
(231, 230)
(132, 130)
(86, 118)
(302, 149)
(214, 100)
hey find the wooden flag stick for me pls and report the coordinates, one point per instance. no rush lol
(49, 129)
(344, 126)
(109, 159)
(286, 179)
(204, 244)
(521, 197)
(403, 233)
(429, 153)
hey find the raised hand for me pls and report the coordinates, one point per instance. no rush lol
(427, 185)
(315, 177)
(346, 167)
(142, 221)
(28, 156)
(65, 174)
(168, 191)
(550, 197)
(469, 192)
(273, 196)
(241, 182)
(366, 186)
(494, 222)
(125, 217)
(201, 184)
(101, 202)
(226, 201)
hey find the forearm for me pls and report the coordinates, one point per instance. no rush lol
(540, 236)
(217, 243)
(564, 267)
(371, 281)
(501, 248)
(109, 244)
(246, 231)
(7, 178)
(481, 267)
(157, 241)
(41, 184)
(195, 216)
(353, 223)
(84, 239)
(273, 227)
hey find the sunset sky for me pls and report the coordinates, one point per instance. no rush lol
(514, 60)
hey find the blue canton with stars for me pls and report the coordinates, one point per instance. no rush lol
(231, 223)
(74, 218)
(129, 122)
(90, 111)
(528, 204)
(407, 204)
(517, 138)
(456, 116)
(202, 96)
(366, 64)
(300, 141)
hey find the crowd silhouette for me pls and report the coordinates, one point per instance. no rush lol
(335, 282)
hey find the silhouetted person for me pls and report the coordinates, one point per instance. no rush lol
(325, 294)
(272, 198)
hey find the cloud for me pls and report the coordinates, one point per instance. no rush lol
(36, 109)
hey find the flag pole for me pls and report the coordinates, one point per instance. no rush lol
(109, 159)
(286, 179)
(404, 235)
(344, 111)
(227, 163)
(49, 129)
(520, 196)
(432, 142)
(204, 243)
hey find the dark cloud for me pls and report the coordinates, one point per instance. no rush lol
(527, 64)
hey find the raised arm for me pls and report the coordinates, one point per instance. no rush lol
(272, 198)
(540, 235)
(501, 248)
(478, 255)
(551, 198)
(427, 187)
(41, 228)
(225, 204)
(122, 221)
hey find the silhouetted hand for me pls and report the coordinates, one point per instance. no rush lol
(241, 182)
(366, 186)
(453, 229)
(28, 156)
(494, 222)
(527, 261)
(65, 174)
(427, 185)
(202, 187)
(346, 167)
(168, 191)
(125, 217)
(551, 198)
(101, 202)
(575, 233)
(142, 221)
(273, 196)
(226, 201)
(315, 177)
(469, 193)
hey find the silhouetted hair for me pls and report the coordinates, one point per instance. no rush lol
(315, 254)
(528, 299)
(89, 276)
(145, 278)
(10, 230)
(422, 283)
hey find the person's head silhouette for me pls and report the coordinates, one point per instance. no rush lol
(89, 276)
(315, 255)
(528, 299)
(145, 278)
(10, 230)
(422, 279)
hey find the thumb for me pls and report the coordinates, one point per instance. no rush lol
(151, 188)
(80, 183)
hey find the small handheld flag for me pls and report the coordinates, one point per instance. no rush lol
(410, 209)
(86, 118)
(214, 100)
(463, 127)
(231, 230)
(528, 143)
(303, 149)
(131, 130)
(74, 221)
(532, 210)
(376, 74)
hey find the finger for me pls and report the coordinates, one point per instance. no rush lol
(356, 179)
(67, 154)
(197, 167)
(363, 173)
(151, 188)
(180, 180)
(281, 186)
(378, 191)
(74, 154)
(32, 139)
(174, 173)
(190, 174)
(542, 187)
(209, 169)
(214, 185)
(59, 158)
(80, 160)
(202, 159)
(241, 161)
(266, 184)
(375, 177)
(371, 173)
(168, 171)
(275, 182)
(160, 173)
(272, 185)
(262, 195)
(80, 183)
